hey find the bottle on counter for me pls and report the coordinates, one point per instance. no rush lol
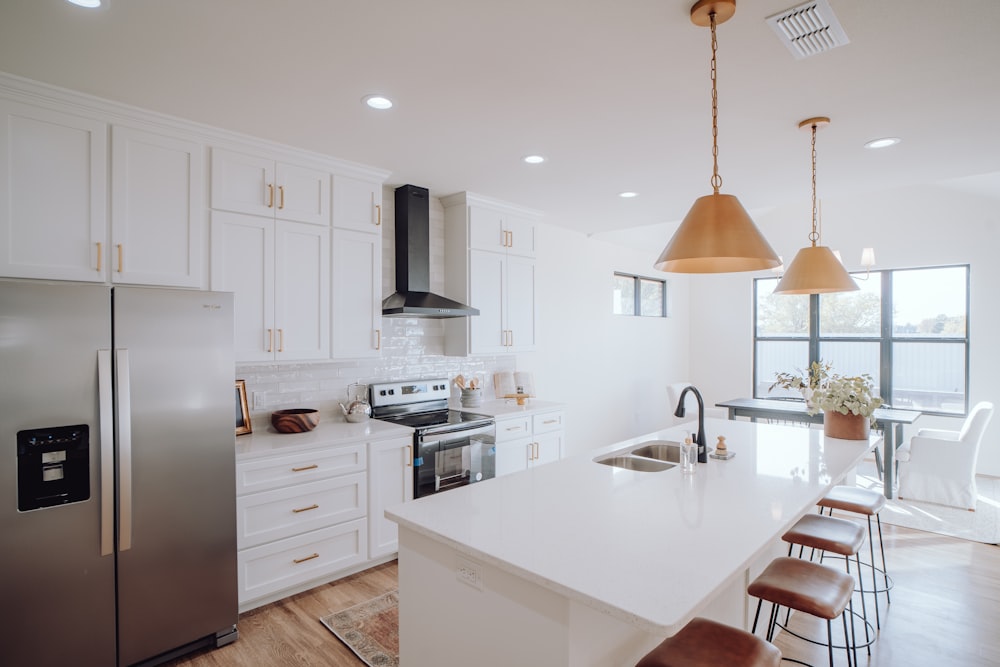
(689, 456)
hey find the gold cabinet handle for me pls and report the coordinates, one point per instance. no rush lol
(551, 421)
(409, 456)
(297, 510)
(511, 332)
(302, 560)
(281, 196)
(378, 339)
(281, 340)
(270, 195)
(120, 257)
(378, 215)
(270, 340)
(99, 256)
(303, 468)
(514, 428)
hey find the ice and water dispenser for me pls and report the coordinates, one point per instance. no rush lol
(53, 466)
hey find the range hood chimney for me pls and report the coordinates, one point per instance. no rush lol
(413, 297)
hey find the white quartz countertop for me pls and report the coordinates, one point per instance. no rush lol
(650, 548)
(330, 432)
(502, 407)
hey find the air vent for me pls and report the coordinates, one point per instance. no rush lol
(809, 29)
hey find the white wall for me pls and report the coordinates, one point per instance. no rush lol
(908, 228)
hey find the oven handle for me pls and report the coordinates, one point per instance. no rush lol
(458, 435)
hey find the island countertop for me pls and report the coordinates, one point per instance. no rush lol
(649, 548)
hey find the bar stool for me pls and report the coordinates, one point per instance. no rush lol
(867, 503)
(705, 643)
(841, 537)
(808, 587)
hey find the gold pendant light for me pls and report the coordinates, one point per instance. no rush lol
(815, 270)
(717, 235)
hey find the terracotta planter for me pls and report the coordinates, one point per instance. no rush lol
(845, 427)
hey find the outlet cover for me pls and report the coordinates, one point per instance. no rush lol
(469, 572)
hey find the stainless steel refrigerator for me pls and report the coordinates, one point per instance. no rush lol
(117, 478)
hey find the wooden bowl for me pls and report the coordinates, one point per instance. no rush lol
(294, 420)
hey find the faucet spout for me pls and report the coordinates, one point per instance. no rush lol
(700, 439)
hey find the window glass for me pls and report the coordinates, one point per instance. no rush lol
(853, 313)
(777, 357)
(624, 295)
(651, 297)
(852, 358)
(781, 315)
(929, 376)
(929, 303)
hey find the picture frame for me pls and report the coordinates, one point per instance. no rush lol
(243, 425)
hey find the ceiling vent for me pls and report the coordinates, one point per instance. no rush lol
(808, 29)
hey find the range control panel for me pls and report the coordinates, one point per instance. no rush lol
(409, 392)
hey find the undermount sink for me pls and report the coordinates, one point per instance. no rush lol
(661, 450)
(635, 463)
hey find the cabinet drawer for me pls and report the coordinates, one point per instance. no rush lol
(278, 471)
(546, 423)
(272, 567)
(509, 429)
(272, 515)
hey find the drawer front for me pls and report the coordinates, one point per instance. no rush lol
(278, 471)
(272, 567)
(547, 422)
(273, 515)
(511, 429)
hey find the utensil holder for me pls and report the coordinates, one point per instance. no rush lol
(472, 398)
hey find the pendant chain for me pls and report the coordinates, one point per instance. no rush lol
(716, 179)
(814, 235)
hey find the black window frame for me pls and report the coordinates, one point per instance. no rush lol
(637, 294)
(886, 338)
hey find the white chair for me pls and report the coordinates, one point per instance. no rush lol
(940, 466)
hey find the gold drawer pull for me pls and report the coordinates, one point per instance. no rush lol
(302, 560)
(310, 467)
(551, 421)
(314, 506)
(513, 428)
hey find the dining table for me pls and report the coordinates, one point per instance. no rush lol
(888, 420)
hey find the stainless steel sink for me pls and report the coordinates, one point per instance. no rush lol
(634, 463)
(661, 450)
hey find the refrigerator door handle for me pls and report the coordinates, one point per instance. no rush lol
(124, 452)
(107, 435)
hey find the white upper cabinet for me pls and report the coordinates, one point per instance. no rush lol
(357, 204)
(490, 229)
(53, 194)
(357, 294)
(158, 209)
(260, 185)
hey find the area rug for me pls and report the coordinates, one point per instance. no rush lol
(983, 525)
(370, 629)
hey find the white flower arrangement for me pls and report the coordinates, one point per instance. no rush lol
(847, 395)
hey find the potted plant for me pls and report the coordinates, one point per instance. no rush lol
(848, 405)
(804, 382)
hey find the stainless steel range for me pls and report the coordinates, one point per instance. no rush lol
(451, 448)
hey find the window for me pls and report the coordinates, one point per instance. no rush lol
(907, 328)
(635, 295)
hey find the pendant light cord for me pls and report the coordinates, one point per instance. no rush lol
(814, 235)
(716, 179)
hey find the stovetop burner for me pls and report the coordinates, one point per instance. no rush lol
(434, 418)
(420, 404)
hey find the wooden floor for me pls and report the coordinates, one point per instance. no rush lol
(945, 611)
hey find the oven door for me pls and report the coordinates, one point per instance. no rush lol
(446, 460)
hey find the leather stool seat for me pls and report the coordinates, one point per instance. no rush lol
(818, 531)
(804, 586)
(853, 499)
(705, 643)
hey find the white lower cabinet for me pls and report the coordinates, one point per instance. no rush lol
(525, 441)
(390, 482)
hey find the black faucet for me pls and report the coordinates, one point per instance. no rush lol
(700, 439)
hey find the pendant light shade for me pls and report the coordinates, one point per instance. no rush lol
(717, 235)
(815, 269)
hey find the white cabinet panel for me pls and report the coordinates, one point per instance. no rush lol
(53, 194)
(357, 204)
(512, 456)
(158, 209)
(259, 185)
(487, 292)
(274, 472)
(357, 294)
(390, 482)
(302, 194)
(520, 303)
(301, 291)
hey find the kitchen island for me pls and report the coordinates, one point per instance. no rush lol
(579, 563)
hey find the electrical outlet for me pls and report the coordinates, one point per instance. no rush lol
(258, 400)
(469, 572)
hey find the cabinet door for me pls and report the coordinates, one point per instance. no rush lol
(357, 294)
(520, 236)
(357, 204)
(486, 229)
(243, 183)
(520, 303)
(53, 194)
(487, 274)
(548, 448)
(390, 482)
(158, 209)
(512, 456)
(301, 291)
(243, 263)
(302, 194)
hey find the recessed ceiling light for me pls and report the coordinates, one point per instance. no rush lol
(628, 195)
(89, 4)
(885, 142)
(378, 102)
(534, 159)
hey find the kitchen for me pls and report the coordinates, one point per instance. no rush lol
(579, 358)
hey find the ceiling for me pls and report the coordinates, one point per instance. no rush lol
(615, 94)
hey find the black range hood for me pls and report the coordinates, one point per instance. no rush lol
(413, 297)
